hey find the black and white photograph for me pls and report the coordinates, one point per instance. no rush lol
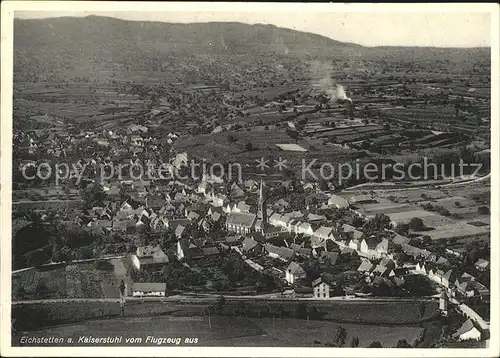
(311, 179)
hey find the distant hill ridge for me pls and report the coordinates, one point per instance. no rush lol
(231, 35)
(66, 42)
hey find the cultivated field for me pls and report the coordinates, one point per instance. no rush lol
(244, 331)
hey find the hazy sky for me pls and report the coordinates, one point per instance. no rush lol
(440, 29)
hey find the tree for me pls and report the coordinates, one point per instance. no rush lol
(357, 221)
(340, 336)
(421, 309)
(354, 342)
(249, 146)
(416, 224)
(402, 343)
(379, 222)
(375, 344)
(36, 258)
(402, 229)
(93, 195)
(443, 211)
(103, 265)
(84, 253)
(426, 240)
(231, 139)
(21, 292)
(122, 288)
(221, 302)
(41, 288)
(483, 210)
(301, 311)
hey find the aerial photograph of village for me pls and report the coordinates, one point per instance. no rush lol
(221, 183)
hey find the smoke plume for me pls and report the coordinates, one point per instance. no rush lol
(321, 75)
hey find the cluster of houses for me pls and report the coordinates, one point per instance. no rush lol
(177, 206)
(462, 286)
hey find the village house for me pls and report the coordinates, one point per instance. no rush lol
(281, 205)
(467, 331)
(282, 253)
(268, 231)
(276, 219)
(214, 213)
(251, 245)
(467, 286)
(323, 232)
(337, 202)
(230, 241)
(361, 199)
(187, 249)
(240, 207)
(383, 271)
(210, 251)
(315, 219)
(366, 267)
(294, 273)
(384, 247)
(355, 244)
(124, 226)
(305, 228)
(236, 192)
(324, 288)
(369, 245)
(400, 240)
(328, 257)
(149, 256)
(172, 224)
(482, 265)
(354, 234)
(317, 242)
(155, 202)
(321, 289)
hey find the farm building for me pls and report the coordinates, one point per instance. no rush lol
(291, 147)
(279, 252)
(153, 289)
(250, 244)
(337, 202)
(188, 250)
(149, 256)
(366, 267)
(482, 264)
(321, 289)
(361, 199)
(294, 272)
(324, 288)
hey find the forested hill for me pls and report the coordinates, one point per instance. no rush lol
(67, 43)
(70, 41)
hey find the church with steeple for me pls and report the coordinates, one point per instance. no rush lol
(262, 223)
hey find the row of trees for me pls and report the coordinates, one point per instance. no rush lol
(340, 340)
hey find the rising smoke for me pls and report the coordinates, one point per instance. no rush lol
(321, 73)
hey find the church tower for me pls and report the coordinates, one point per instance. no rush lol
(262, 210)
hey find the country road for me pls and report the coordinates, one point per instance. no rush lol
(209, 298)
